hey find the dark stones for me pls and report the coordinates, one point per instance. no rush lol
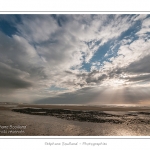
(86, 116)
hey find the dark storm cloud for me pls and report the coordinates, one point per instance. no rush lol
(17, 53)
(115, 72)
(140, 66)
(88, 77)
(13, 83)
(12, 78)
(136, 71)
(140, 78)
(96, 80)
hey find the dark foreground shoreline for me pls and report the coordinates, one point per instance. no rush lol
(56, 120)
(89, 116)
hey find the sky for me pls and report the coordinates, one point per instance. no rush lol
(75, 58)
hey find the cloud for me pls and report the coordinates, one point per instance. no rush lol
(101, 95)
(145, 28)
(70, 35)
(140, 17)
(140, 66)
(11, 78)
(75, 35)
(140, 78)
(19, 54)
(37, 28)
(48, 51)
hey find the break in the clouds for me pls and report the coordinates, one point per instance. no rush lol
(75, 59)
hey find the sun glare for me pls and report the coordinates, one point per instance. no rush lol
(116, 83)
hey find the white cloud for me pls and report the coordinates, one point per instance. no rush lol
(140, 17)
(51, 50)
(37, 28)
(145, 28)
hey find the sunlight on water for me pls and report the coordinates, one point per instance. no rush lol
(124, 132)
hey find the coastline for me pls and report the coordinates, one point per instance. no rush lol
(42, 125)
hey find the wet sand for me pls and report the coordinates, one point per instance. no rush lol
(129, 122)
(92, 107)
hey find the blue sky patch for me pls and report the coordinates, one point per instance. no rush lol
(55, 88)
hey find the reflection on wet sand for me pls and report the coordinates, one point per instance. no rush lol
(52, 121)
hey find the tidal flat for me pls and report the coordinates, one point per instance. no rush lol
(75, 120)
